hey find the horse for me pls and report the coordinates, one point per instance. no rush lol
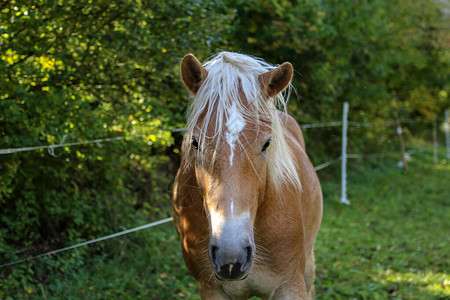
(247, 202)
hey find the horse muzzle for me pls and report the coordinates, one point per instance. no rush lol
(231, 262)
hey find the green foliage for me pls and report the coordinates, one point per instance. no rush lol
(75, 71)
(388, 59)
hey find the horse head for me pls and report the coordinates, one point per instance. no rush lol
(235, 148)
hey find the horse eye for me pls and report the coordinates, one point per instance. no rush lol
(266, 145)
(194, 143)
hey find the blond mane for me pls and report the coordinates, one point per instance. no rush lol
(233, 77)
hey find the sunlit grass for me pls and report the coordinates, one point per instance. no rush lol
(429, 282)
(443, 165)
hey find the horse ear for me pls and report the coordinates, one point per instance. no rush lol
(192, 73)
(276, 80)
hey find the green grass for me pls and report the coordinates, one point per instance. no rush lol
(392, 242)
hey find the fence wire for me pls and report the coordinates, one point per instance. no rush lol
(90, 242)
(102, 140)
(114, 235)
(51, 148)
(96, 141)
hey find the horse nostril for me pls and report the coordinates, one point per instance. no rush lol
(214, 258)
(248, 258)
(249, 252)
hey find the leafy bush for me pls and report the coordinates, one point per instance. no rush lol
(377, 55)
(75, 71)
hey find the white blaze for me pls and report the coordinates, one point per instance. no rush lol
(235, 124)
(217, 221)
(230, 228)
(232, 207)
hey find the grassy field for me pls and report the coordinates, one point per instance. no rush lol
(392, 242)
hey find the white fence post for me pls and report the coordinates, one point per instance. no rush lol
(402, 145)
(435, 143)
(447, 133)
(344, 156)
